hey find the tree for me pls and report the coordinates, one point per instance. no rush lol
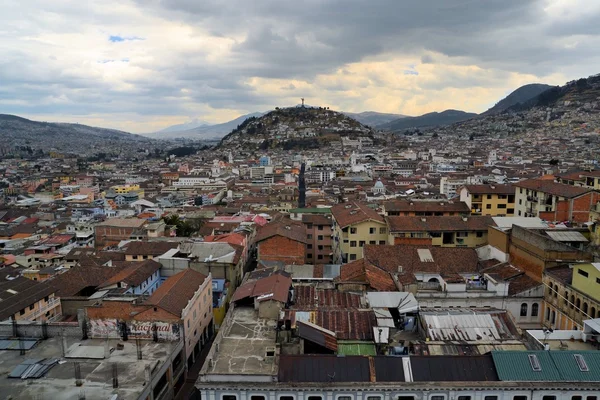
(471, 137)
(554, 161)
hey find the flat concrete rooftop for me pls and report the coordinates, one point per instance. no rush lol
(241, 346)
(96, 371)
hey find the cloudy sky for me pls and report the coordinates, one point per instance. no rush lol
(142, 65)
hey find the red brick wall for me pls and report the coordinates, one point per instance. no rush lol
(580, 209)
(279, 248)
(110, 235)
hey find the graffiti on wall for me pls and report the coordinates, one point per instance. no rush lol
(111, 328)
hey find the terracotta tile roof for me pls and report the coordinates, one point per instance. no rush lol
(364, 272)
(347, 214)
(149, 248)
(134, 274)
(490, 189)
(439, 223)
(426, 206)
(316, 219)
(554, 188)
(283, 227)
(175, 293)
(273, 287)
(124, 222)
(562, 273)
(80, 277)
(410, 258)
(231, 238)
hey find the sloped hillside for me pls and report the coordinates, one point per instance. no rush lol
(294, 128)
(521, 95)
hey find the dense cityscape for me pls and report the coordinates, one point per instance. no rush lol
(317, 200)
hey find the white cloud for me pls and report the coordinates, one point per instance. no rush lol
(183, 59)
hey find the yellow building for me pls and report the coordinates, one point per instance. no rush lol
(354, 225)
(572, 295)
(450, 231)
(27, 300)
(122, 189)
(589, 179)
(493, 200)
(595, 228)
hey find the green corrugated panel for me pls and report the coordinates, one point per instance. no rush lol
(356, 349)
(569, 369)
(515, 366)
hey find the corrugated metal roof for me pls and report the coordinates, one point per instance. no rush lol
(17, 344)
(318, 335)
(515, 366)
(389, 369)
(453, 369)
(569, 369)
(566, 236)
(403, 301)
(465, 327)
(331, 271)
(323, 368)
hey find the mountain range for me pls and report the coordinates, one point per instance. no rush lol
(63, 137)
(521, 95)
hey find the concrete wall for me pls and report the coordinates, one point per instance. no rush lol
(35, 329)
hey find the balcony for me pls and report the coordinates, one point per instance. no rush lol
(429, 286)
(475, 285)
(51, 304)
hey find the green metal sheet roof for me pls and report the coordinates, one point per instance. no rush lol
(569, 369)
(356, 348)
(555, 366)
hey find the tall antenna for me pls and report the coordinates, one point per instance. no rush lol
(302, 98)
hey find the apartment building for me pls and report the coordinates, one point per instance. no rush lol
(354, 225)
(318, 234)
(493, 200)
(553, 201)
(572, 295)
(439, 231)
(28, 300)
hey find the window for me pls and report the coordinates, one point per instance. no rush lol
(585, 308)
(309, 246)
(524, 310)
(464, 398)
(309, 236)
(479, 234)
(31, 307)
(501, 205)
(597, 281)
(320, 237)
(320, 227)
(320, 247)
(490, 398)
(510, 211)
(373, 397)
(46, 299)
(519, 397)
(405, 398)
(286, 398)
(353, 231)
(372, 241)
(488, 206)
(229, 397)
(352, 257)
(344, 397)
(548, 397)
(534, 309)
(576, 397)
(372, 231)
(520, 201)
(489, 196)
(382, 231)
(22, 312)
(361, 243)
(382, 242)
(315, 398)
(582, 272)
(591, 398)
(320, 256)
(437, 397)
(257, 397)
(353, 243)
(309, 255)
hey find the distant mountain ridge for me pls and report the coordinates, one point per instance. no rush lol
(19, 131)
(373, 118)
(427, 120)
(518, 96)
